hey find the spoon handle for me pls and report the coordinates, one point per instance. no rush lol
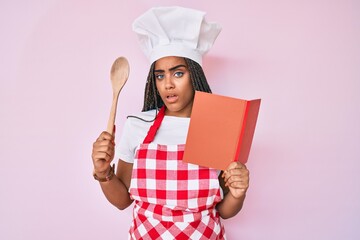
(111, 122)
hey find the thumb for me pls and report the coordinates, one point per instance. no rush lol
(232, 165)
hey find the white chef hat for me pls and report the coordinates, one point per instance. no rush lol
(175, 31)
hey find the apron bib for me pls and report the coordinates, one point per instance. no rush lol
(173, 199)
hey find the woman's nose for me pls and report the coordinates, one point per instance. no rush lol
(169, 84)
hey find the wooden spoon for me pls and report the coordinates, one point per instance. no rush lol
(118, 75)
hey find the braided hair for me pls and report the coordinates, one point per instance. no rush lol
(152, 99)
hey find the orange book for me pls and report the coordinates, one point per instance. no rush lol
(221, 130)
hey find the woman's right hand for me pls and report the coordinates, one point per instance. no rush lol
(103, 153)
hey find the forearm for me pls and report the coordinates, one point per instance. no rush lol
(230, 206)
(234, 182)
(116, 193)
(114, 186)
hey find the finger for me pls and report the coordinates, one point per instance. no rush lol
(102, 150)
(242, 177)
(236, 179)
(232, 179)
(100, 143)
(105, 136)
(103, 145)
(237, 183)
(98, 156)
(102, 156)
(232, 165)
(235, 172)
(105, 148)
(235, 165)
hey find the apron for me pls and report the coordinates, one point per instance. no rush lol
(173, 199)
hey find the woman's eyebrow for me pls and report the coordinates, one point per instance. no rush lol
(171, 69)
(176, 67)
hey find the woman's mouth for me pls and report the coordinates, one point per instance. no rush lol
(171, 98)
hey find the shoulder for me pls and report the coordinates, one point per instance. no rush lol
(147, 116)
(133, 133)
(139, 123)
(140, 119)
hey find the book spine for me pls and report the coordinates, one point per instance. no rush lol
(242, 132)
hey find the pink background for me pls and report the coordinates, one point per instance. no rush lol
(301, 57)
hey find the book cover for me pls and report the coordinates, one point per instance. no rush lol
(221, 130)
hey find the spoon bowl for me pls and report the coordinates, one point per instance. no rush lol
(119, 74)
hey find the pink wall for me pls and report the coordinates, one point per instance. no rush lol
(301, 57)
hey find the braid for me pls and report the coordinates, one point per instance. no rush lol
(152, 99)
(197, 76)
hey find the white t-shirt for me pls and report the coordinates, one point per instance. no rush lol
(173, 130)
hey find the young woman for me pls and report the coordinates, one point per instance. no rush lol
(172, 199)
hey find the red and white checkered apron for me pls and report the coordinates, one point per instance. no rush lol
(173, 199)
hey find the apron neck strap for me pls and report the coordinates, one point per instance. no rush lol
(153, 129)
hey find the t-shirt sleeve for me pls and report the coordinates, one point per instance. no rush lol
(124, 149)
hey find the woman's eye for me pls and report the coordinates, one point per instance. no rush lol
(179, 74)
(159, 76)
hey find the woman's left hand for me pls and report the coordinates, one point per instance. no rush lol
(236, 178)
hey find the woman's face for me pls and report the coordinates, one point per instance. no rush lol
(174, 85)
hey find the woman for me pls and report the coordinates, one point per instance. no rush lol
(173, 199)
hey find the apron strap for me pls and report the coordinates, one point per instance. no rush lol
(153, 129)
